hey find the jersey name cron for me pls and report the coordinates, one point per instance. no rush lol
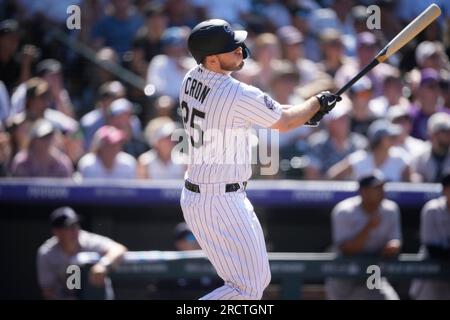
(196, 89)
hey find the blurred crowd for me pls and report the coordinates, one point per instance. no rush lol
(74, 110)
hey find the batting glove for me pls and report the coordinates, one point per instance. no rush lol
(314, 121)
(327, 101)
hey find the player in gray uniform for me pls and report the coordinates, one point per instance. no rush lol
(366, 224)
(434, 160)
(214, 202)
(435, 239)
(58, 252)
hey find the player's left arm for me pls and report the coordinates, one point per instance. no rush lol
(113, 255)
(309, 112)
(394, 240)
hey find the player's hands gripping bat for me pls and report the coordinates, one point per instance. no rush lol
(327, 101)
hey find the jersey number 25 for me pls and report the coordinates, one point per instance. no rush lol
(195, 113)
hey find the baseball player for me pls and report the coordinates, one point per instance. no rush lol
(435, 239)
(214, 202)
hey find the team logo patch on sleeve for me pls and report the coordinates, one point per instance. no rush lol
(269, 102)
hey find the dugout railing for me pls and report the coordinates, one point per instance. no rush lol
(289, 270)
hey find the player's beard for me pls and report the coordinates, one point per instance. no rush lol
(231, 67)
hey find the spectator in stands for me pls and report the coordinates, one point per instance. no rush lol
(392, 95)
(266, 50)
(160, 162)
(399, 115)
(435, 240)
(148, 40)
(71, 143)
(333, 51)
(5, 151)
(71, 140)
(182, 13)
(434, 160)
(19, 129)
(333, 143)
(233, 11)
(361, 115)
(366, 224)
(428, 102)
(366, 49)
(53, 12)
(184, 238)
(166, 71)
(359, 17)
(42, 158)
(391, 24)
(291, 41)
(92, 121)
(283, 82)
(5, 105)
(382, 156)
(34, 98)
(445, 90)
(60, 251)
(51, 71)
(106, 56)
(120, 114)
(15, 66)
(431, 54)
(92, 12)
(117, 29)
(338, 16)
(163, 106)
(107, 160)
(276, 14)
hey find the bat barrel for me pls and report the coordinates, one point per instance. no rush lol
(410, 31)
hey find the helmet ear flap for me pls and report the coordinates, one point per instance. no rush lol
(245, 51)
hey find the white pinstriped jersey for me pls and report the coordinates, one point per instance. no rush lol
(213, 104)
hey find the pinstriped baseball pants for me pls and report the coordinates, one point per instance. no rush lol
(228, 231)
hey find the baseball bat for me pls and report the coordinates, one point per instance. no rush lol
(410, 31)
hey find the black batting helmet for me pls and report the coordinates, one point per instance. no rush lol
(215, 36)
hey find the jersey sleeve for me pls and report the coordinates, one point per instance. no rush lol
(47, 278)
(342, 229)
(428, 234)
(257, 107)
(395, 229)
(98, 243)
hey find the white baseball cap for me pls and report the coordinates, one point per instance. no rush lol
(439, 121)
(120, 106)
